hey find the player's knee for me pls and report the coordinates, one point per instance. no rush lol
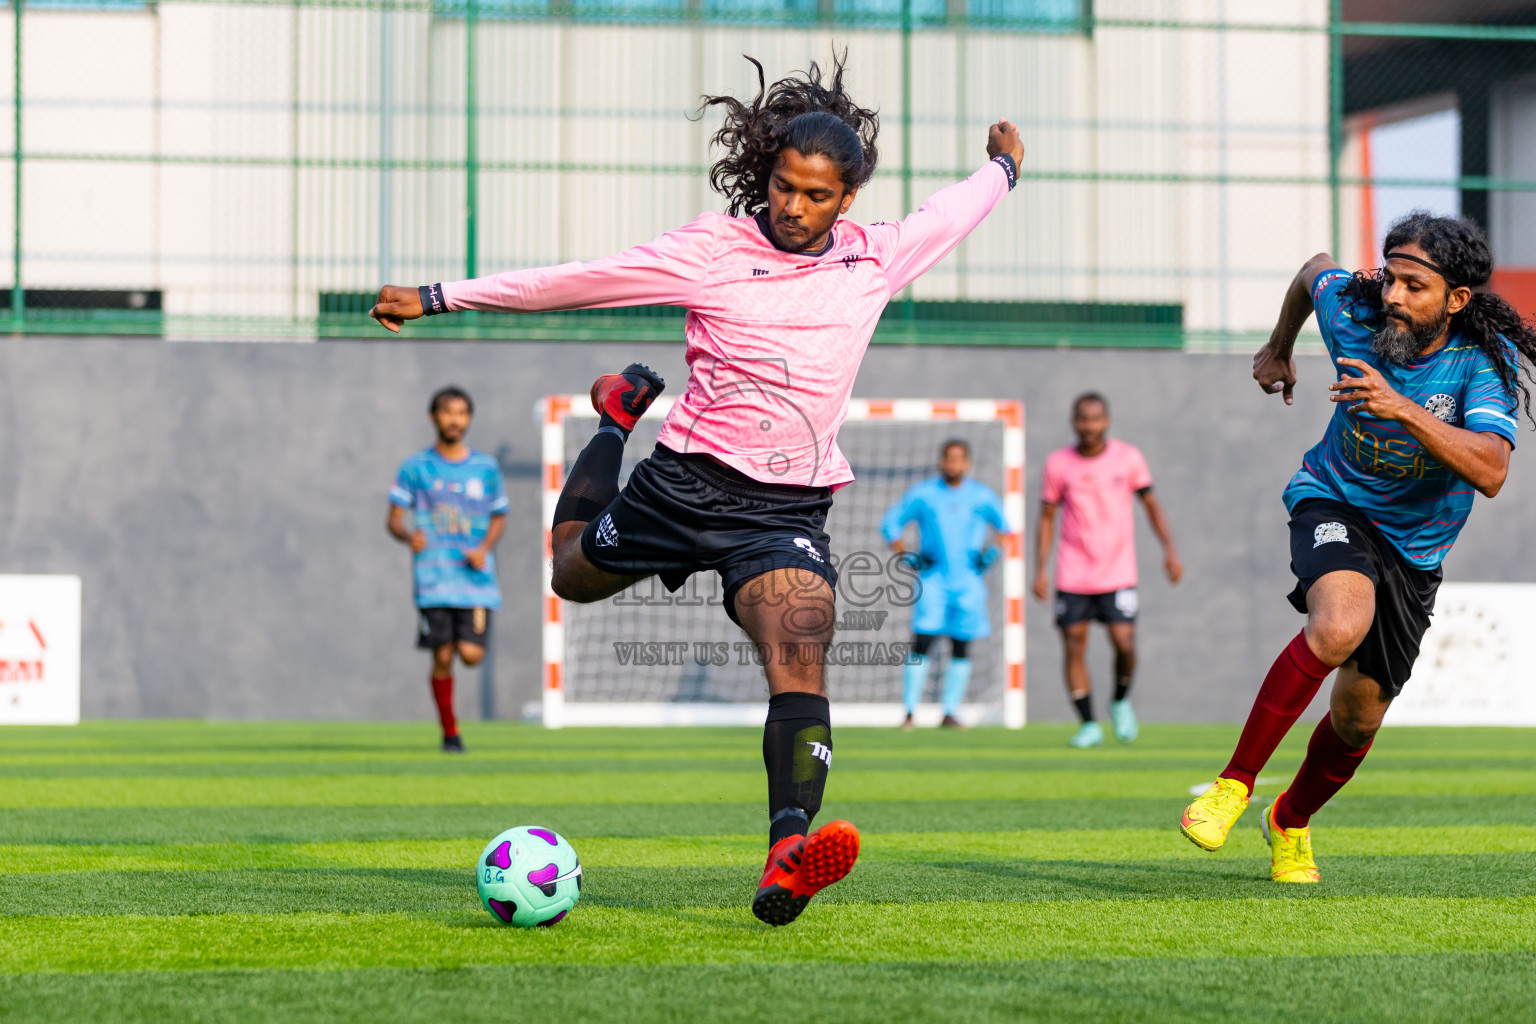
(1334, 636)
(471, 654)
(1356, 728)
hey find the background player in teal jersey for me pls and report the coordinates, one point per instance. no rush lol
(955, 516)
(1428, 370)
(458, 507)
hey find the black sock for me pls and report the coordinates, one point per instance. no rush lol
(594, 479)
(797, 751)
(1084, 706)
(1122, 687)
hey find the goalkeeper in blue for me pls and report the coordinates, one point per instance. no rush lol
(958, 518)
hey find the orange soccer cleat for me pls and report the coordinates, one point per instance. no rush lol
(799, 867)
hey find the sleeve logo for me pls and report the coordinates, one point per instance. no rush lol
(1442, 407)
(1330, 533)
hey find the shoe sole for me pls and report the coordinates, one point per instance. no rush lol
(1199, 842)
(828, 856)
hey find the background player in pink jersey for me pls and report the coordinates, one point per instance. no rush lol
(782, 299)
(1092, 482)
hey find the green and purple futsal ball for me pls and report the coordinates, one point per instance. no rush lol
(529, 876)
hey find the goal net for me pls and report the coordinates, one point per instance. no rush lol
(646, 657)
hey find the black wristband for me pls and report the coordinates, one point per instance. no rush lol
(1005, 161)
(432, 301)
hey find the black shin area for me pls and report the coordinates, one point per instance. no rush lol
(921, 642)
(797, 751)
(593, 481)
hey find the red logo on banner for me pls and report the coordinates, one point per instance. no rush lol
(21, 654)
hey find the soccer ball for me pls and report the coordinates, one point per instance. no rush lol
(528, 876)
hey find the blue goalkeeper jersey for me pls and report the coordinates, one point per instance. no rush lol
(952, 524)
(452, 502)
(1375, 465)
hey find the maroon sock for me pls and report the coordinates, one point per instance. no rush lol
(1330, 763)
(1289, 687)
(442, 694)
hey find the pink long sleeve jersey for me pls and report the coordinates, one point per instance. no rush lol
(774, 338)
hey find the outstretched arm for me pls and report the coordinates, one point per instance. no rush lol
(667, 271)
(930, 234)
(1273, 366)
(1172, 566)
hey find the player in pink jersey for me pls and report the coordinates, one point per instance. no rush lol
(782, 299)
(1093, 482)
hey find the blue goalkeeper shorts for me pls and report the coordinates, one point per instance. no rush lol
(956, 608)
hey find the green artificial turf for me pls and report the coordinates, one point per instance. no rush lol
(154, 871)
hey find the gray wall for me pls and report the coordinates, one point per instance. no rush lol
(224, 504)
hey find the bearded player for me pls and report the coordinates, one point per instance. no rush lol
(782, 299)
(1425, 416)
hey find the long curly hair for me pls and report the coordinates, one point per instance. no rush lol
(804, 112)
(1459, 247)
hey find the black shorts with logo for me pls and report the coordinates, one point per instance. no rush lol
(439, 626)
(1327, 536)
(682, 513)
(1112, 607)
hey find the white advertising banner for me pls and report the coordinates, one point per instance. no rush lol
(39, 650)
(1477, 665)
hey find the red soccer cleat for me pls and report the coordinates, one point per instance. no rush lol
(798, 868)
(622, 398)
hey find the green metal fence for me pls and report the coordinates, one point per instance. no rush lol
(257, 169)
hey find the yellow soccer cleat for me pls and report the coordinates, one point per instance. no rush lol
(1290, 849)
(1208, 820)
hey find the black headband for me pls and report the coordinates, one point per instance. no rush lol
(1423, 263)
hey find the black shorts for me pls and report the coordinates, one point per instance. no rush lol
(439, 626)
(1115, 606)
(1327, 536)
(680, 514)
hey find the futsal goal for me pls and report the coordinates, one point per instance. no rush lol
(646, 657)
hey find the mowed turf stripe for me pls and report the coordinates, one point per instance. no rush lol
(1359, 989)
(705, 851)
(923, 932)
(91, 826)
(434, 890)
(536, 788)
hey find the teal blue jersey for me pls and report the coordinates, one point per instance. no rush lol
(1375, 465)
(952, 525)
(452, 502)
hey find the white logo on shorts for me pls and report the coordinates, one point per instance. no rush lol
(808, 548)
(1441, 407)
(1330, 533)
(607, 533)
(1128, 600)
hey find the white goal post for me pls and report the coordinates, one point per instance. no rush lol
(646, 657)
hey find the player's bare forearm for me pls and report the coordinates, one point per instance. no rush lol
(494, 531)
(1045, 529)
(1480, 459)
(1273, 365)
(396, 525)
(1173, 566)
